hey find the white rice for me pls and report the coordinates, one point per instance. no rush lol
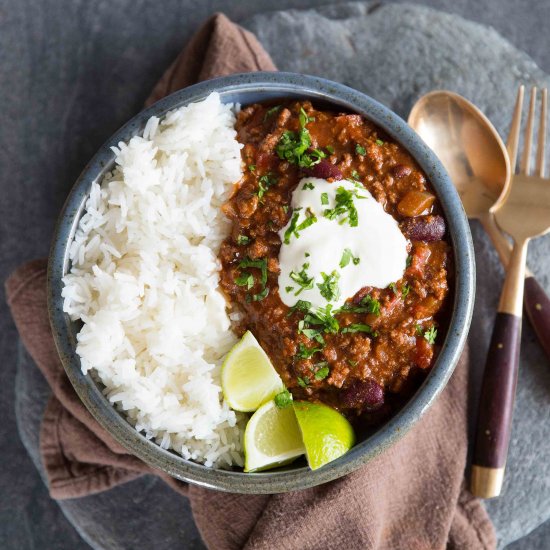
(144, 281)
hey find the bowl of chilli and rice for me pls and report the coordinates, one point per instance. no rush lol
(139, 319)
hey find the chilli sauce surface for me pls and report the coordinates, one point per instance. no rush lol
(362, 373)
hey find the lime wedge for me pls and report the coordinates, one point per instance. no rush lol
(248, 377)
(272, 438)
(327, 434)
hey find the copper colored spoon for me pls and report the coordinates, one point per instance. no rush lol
(478, 163)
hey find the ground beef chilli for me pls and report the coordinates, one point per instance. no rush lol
(361, 374)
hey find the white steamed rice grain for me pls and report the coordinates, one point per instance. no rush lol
(144, 281)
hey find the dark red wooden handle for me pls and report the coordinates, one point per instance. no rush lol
(497, 393)
(537, 307)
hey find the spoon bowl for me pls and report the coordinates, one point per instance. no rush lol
(469, 147)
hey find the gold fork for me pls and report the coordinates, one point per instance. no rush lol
(524, 213)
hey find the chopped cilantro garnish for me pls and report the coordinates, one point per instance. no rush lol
(405, 290)
(360, 150)
(330, 149)
(355, 175)
(323, 371)
(344, 205)
(409, 260)
(264, 183)
(300, 305)
(311, 218)
(285, 208)
(245, 279)
(303, 382)
(294, 147)
(419, 330)
(324, 199)
(348, 256)
(283, 399)
(379, 142)
(309, 186)
(323, 318)
(302, 279)
(366, 305)
(305, 352)
(271, 111)
(252, 167)
(306, 254)
(352, 363)
(291, 230)
(430, 335)
(329, 287)
(304, 118)
(261, 295)
(359, 327)
(242, 239)
(289, 288)
(393, 288)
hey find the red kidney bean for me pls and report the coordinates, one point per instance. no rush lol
(324, 170)
(424, 228)
(364, 394)
(401, 170)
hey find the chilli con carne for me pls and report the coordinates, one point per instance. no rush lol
(365, 357)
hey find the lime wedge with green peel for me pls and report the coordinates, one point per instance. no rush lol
(248, 377)
(326, 434)
(272, 438)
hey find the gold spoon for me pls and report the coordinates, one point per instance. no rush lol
(478, 163)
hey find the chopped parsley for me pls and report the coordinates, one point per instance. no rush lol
(323, 370)
(430, 335)
(303, 382)
(324, 199)
(302, 279)
(379, 142)
(305, 352)
(294, 147)
(344, 205)
(405, 290)
(347, 256)
(309, 186)
(283, 399)
(242, 239)
(329, 287)
(360, 150)
(271, 111)
(264, 183)
(360, 327)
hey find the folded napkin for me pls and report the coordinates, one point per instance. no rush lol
(410, 497)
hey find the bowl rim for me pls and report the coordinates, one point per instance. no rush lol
(270, 85)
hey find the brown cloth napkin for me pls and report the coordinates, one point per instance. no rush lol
(410, 497)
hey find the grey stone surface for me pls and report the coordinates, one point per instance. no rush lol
(71, 72)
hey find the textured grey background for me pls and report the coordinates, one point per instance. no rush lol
(71, 72)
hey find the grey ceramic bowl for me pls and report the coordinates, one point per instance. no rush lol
(246, 89)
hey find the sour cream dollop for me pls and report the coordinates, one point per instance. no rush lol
(328, 259)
